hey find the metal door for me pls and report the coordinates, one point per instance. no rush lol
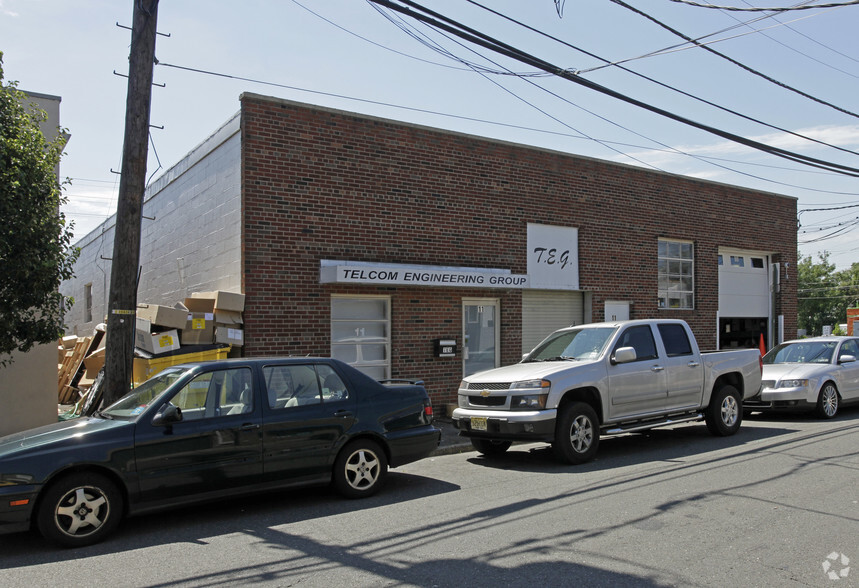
(480, 349)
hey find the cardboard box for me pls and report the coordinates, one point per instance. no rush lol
(155, 343)
(204, 305)
(228, 318)
(200, 321)
(93, 363)
(230, 335)
(164, 316)
(223, 300)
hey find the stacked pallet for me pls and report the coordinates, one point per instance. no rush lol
(73, 354)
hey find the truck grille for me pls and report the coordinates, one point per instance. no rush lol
(492, 386)
(487, 401)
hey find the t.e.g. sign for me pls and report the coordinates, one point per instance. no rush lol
(553, 257)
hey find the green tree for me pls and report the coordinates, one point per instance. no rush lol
(848, 280)
(35, 250)
(824, 294)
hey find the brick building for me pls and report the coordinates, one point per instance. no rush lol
(426, 254)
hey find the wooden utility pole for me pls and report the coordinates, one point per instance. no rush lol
(122, 301)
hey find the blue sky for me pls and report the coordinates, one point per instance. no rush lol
(347, 54)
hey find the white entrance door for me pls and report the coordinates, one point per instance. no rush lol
(480, 334)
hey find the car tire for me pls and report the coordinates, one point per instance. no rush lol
(79, 509)
(724, 415)
(491, 447)
(577, 433)
(827, 401)
(360, 469)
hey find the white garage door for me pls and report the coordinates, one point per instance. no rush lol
(743, 284)
(544, 311)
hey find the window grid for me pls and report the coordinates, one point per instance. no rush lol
(676, 275)
(361, 333)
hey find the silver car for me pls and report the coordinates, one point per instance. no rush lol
(820, 374)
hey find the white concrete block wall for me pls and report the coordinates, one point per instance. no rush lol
(192, 245)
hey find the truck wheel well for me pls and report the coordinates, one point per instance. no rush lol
(734, 379)
(589, 396)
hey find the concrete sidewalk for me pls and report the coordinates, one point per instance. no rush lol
(451, 442)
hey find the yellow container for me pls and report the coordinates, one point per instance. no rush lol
(143, 369)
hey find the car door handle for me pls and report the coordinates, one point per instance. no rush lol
(343, 414)
(249, 426)
(693, 364)
(657, 368)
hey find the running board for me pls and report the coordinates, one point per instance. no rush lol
(652, 424)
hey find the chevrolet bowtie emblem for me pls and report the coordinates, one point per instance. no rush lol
(484, 393)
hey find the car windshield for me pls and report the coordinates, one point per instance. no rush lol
(801, 352)
(576, 344)
(139, 399)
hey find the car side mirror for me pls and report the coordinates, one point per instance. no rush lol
(623, 355)
(846, 358)
(168, 415)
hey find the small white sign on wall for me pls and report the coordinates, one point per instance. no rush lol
(553, 257)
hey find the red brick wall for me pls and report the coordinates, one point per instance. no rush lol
(852, 315)
(320, 184)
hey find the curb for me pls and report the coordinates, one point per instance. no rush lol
(451, 442)
(461, 447)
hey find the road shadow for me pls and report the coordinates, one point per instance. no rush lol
(663, 444)
(845, 413)
(191, 524)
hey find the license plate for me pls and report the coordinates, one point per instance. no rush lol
(478, 423)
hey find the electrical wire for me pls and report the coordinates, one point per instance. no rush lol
(664, 85)
(158, 159)
(700, 41)
(435, 46)
(577, 135)
(795, 50)
(437, 20)
(762, 9)
(732, 60)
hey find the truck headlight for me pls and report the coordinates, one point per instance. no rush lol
(793, 384)
(531, 385)
(528, 402)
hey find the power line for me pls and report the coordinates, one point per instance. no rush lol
(423, 39)
(732, 60)
(576, 135)
(437, 20)
(806, 290)
(436, 47)
(662, 84)
(700, 41)
(762, 9)
(795, 50)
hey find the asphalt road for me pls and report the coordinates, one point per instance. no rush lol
(767, 507)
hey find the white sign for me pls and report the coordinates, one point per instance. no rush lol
(553, 257)
(344, 272)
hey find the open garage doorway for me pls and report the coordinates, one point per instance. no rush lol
(744, 299)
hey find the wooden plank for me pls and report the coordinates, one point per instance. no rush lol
(72, 363)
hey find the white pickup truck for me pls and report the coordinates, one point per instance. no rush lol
(607, 378)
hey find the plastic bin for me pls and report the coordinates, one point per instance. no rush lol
(143, 369)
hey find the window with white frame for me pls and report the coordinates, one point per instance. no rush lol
(676, 275)
(361, 333)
